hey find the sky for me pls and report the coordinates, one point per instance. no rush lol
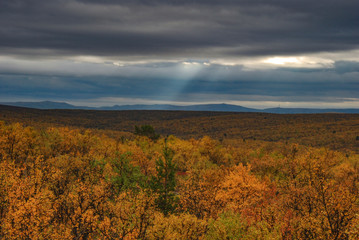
(254, 53)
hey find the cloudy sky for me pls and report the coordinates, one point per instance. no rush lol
(254, 53)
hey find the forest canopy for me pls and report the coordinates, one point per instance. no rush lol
(61, 183)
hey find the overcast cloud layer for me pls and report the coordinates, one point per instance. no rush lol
(255, 53)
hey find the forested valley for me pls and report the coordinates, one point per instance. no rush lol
(261, 176)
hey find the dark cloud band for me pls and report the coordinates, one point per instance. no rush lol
(179, 28)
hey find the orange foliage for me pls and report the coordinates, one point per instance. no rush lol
(67, 183)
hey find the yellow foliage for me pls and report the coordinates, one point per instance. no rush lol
(67, 183)
(240, 190)
(181, 227)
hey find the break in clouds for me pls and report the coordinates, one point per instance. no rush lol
(242, 51)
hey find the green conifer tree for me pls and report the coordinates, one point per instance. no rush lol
(164, 182)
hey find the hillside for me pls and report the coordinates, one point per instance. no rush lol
(86, 174)
(336, 131)
(70, 183)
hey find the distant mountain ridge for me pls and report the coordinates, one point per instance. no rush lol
(200, 107)
(45, 105)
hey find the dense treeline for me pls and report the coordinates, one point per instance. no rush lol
(334, 131)
(68, 183)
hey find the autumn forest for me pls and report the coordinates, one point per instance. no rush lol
(73, 174)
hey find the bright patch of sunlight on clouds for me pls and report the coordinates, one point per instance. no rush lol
(284, 60)
(299, 61)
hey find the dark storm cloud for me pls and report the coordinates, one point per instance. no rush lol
(172, 50)
(173, 29)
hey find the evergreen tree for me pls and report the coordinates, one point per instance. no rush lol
(164, 182)
(148, 131)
